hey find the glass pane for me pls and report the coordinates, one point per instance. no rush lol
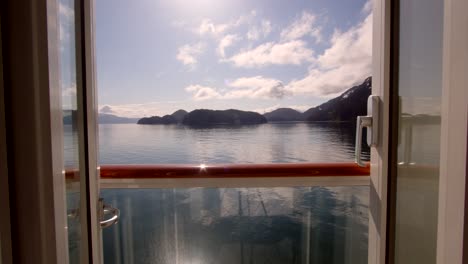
(420, 88)
(70, 124)
(232, 225)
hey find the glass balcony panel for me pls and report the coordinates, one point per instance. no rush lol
(239, 225)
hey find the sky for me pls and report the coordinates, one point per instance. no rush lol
(157, 56)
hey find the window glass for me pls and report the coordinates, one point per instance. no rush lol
(420, 90)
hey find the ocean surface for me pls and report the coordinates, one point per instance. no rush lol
(266, 143)
(232, 225)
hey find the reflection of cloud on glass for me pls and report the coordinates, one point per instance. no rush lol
(66, 21)
(69, 96)
(421, 105)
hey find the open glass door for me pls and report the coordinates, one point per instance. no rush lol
(84, 210)
(380, 152)
(418, 53)
(407, 76)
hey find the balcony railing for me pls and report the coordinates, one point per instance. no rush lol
(315, 212)
(230, 175)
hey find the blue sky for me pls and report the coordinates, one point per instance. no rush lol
(154, 57)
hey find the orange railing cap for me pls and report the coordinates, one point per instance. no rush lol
(227, 170)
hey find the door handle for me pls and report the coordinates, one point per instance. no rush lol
(371, 123)
(107, 210)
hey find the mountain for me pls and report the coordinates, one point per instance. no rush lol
(113, 119)
(70, 117)
(179, 115)
(157, 120)
(204, 117)
(284, 114)
(174, 118)
(345, 107)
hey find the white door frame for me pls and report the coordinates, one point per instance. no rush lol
(453, 158)
(35, 132)
(87, 127)
(453, 141)
(380, 154)
(454, 133)
(33, 124)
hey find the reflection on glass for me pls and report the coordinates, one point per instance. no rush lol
(70, 125)
(420, 86)
(232, 225)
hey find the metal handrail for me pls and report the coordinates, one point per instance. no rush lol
(229, 175)
(168, 171)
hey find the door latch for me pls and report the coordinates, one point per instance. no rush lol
(106, 210)
(371, 123)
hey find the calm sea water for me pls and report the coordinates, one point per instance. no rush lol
(266, 143)
(232, 225)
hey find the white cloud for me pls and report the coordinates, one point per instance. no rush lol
(367, 7)
(266, 109)
(179, 23)
(303, 26)
(187, 54)
(142, 110)
(202, 92)
(300, 108)
(226, 42)
(246, 19)
(257, 87)
(347, 62)
(106, 110)
(207, 26)
(256, 32)
(253, 34)
(293, 52)
(266, 27)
